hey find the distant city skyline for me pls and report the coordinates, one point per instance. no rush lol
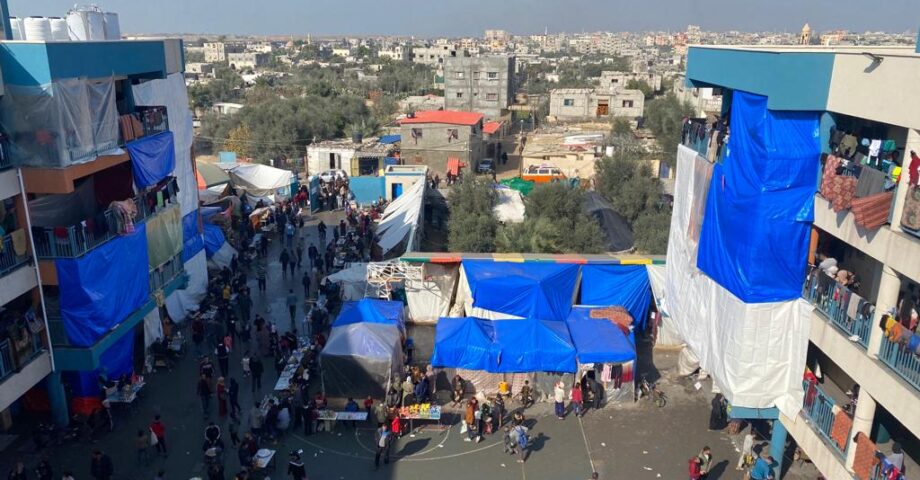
(472, 17)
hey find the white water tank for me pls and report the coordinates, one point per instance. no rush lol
(76, 26)
(16, 28)
(112, 28)
(37, 29)
(59, 29)
(86, 23)
(95, 24)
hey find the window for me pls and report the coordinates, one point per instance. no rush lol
(492, 97)
(615, 80)
(416, 134)
(627, 104)
(458, 74)
(568, 102)
(459, 94)
(492, 75)
(475, 75)
(453, 134)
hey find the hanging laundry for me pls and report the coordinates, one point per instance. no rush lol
(874, 147)
(871, 181)
(125, 212)
(872, 212)
(848, 145)
(837, 189)
(606, 373)
(20, 242)
(853, 306)
(910, 217)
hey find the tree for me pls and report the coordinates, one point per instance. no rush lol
(641, 85)
(472, 224)
(194, 57)
(555, 222)
(664, 116)
(239, 141)
(651, 231)
(628, 184)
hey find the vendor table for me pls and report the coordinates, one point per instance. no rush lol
(433, 413)
(264, 459)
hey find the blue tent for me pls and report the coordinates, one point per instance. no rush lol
(598, 340)
(213, 239)
(528, 290)
(532, 346)
(624, 286)
(369, 310)
(463, 343)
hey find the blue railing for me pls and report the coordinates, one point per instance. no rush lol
(834, 301)
(9, 260)
(903, 361)
(702, 144)
(75, 240)
(818, 408)
(8, 363)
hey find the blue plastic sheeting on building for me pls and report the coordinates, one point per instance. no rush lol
(208, 212)
(390, 161)
(626, 286)
(754, 240)
(388, 139)
(102, 288)
(83, 384)
(532, 346)
(369, 310)
(213, 239)
(530, 290)
(118, 360)
(599, 340)
(152, 158)
(367, 190)
(191, 237)
(463, 343)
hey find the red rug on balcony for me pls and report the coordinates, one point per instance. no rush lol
(872, 212)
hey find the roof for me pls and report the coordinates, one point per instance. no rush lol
(491, 127)
(450, 117)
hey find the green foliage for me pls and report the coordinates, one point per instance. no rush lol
(404, 78)
(555, 222)
(651, 231)
(628, 184)
(664, 117)
(641, 85)
(194, 57)
(225, 87)
(620, 127)
(472, 224)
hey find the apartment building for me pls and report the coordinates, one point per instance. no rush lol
(570, 104)
(436, 54)
(397, 53)
(441, 140)
(215, 52)
(705, 101)
(616, 80)
(100, 215)
(479, 84)
(247, 60)
(862, 386)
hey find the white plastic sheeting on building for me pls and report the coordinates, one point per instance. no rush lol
(180, 303)
(400, 217)
(171, 93)
(260, 180)
(353, 280)
(429, 298)
(668, 335)
(755, 352)
(509, 206)
(222, 256)
(153, 327)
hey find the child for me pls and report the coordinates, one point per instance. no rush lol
(246, 364)
(508, 441)
(368, 406)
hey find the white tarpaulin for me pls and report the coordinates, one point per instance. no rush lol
(429, 299)
(182, 302)
(755, 352)
(259, 180)
(153, 327)
(353, 280)
(400, 217)
(668, 335)
(509, 206)
(222, 256)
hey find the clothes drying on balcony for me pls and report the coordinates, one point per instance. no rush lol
(837, 189)
(910, 217)
(153, 158)
(164, 237)
(872, 212)
(125, 213)
(871, 182)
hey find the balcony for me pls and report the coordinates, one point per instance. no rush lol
(143, 122)
(9, 260)
(73, 241)
(818, 410)
(833, 300)
(161, 276)
(699, 139)
(10, 362)
(902, 360)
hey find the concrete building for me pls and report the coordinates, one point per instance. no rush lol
(434, 55)
(705, 101)
(200, 68)
(619, 80)
(396, 53)
(568, 104)
(365, 158)
(216, 52)
(247, 60)
(479, 84)
(869, 92)
(435, 138)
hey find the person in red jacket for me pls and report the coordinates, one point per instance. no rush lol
(159, 430)
(913, 170)
(577, 400)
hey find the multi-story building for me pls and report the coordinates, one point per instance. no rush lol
(100, 214)
(479, 84)
(567, 104)
(617, 80)
(247, 60)
(442, 140)
(434, 55)
(705, 101)
(397, 53)
(215, 52)
(856, 112)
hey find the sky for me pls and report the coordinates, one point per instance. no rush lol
(432, 18)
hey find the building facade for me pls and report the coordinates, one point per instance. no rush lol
(620, 80)
(479, 84)
(435, 138)
(571, 104)
(434, 55)
(247, 60)
(216, 52)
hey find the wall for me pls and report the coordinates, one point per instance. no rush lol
(886, 93)
(367, 189)
(407, 180)
(818, 451)
(585, 105)
(617, 109)
(318, 159)
(433, 149)
(475, 91)
(16, 386)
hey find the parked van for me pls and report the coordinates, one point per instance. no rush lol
(543, 174)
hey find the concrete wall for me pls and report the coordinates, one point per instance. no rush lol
(583, 105)
(367, 189)
(318, 159)
(468, 86)
(888, 92)
(406, 180)
(616, 80)
(433, 148)
(16, 386)
(814, 445)
(627, 103)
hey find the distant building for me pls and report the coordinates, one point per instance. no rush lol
(479, 84)
(617, 80)
(569, 104)
(435, 54)
(199, 68)
(417, 103)
(215, 52)
(704, 100)
(356, 158)
(226, 108)
(247, 60)
(397, 53)
(435, 138)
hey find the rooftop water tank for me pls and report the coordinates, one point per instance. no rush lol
(16, 28)
(112, 28)
(59, 29)
(37, 29)
(86, 24)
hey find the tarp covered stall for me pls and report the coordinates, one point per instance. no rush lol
(164, 237)
(153, 158)
(533, 346)
(353, 281)
(755, 352)
(192, 240)
(430, 298)
(371, 310)
(465, 343)
(261, 180)
(103, 287)
(361, 359)
(153, 327)
(213, 239)
(222, 257)
(509, 206)
(760, 207)
(626, 286)
(618, 234)
(210, 175)
(401, 218)
(599, 340)
(492, 289)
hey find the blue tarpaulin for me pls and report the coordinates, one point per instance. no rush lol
(152, 158)
(102, 288)
(191, 237)
(599, 340)
(367, 190)
(463, 343)
(390, 160)
(625, 286)
(388, 139)
(754, 240)
(213, 239)
(530, 290)
(532, 346)
(369, 310)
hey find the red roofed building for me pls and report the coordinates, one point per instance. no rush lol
(435, 137)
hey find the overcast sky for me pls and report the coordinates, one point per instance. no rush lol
(471, 17)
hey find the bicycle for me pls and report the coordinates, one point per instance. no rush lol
(651, 391)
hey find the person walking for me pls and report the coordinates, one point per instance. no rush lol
(223, 358)
(292, 306)
(158, 429)
(285, 258)
(705, 460)
(321, 228)
(244, 302)
(255, 364)
(312, 252)
(204, 393)
(197, 334)
(383, 446)
(101, 467)
(523, 441)
(261, 275)
(221, 398)
(559, 399)
(296, 469)
(510, 444)
(142, 445)
(299, 251)
(233, 392)
(578, 402)
(746, 458)
(306, 284)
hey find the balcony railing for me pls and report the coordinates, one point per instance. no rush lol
(835, 301)
(701, 142)
(9, 260)
(76, 240)
(143, 122)
(902, 360)
(169, 271)
(818, 408)
(9, 363)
